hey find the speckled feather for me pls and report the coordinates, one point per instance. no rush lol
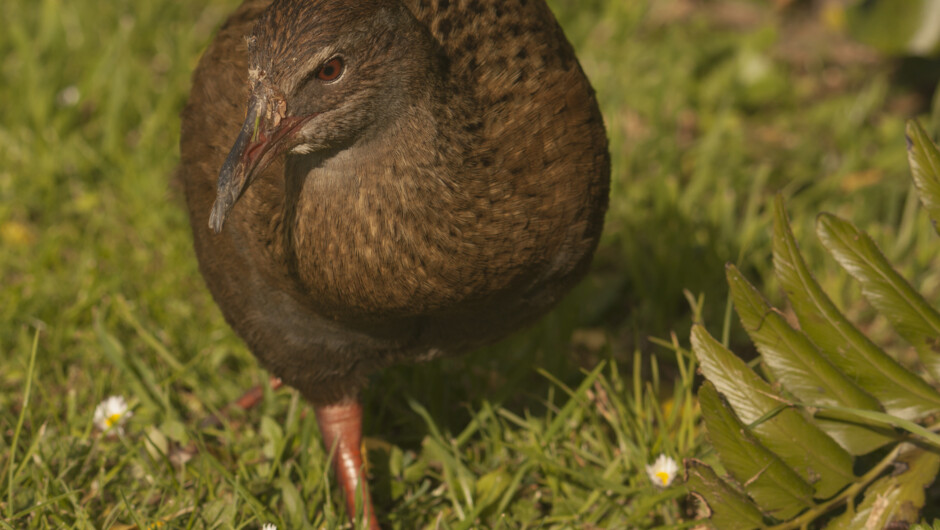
(458, 193)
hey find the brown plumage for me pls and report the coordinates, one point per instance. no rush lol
(414, 178)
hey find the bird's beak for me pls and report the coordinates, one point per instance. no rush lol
(266, 133)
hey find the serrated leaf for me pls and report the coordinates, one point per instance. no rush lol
(776, 488)
(907, 311)
(875, 417)
(857, 434)
(924, 159)
(802, 370)
(895, 500)
(803, 446)
(901, 392)
(725, 506)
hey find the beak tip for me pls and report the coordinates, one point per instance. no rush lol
(217, 216)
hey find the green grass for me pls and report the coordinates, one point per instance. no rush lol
(707, 118)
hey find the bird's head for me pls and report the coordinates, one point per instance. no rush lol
(322, 75)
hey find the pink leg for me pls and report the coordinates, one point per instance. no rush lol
(341, 427)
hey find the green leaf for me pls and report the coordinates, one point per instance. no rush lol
(218, 513)
(884, 288)
(924, 159)
(175, 431)
(776, 488)
(725, 506)
(893, 28)
(901, 392)
(895, 500)
(294, 507)
(273, 436)
(490, 487)
(817, 458)
(802, 370)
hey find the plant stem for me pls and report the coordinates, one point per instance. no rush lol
(849, 493)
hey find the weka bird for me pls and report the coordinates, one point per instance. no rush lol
(411, 178)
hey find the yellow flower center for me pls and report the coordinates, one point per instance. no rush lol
(112, 419)
(663, 476)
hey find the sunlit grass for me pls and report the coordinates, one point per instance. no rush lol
(706, 120)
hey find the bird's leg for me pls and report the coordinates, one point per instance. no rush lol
(253, 396)
(247, 401)
(341, 427)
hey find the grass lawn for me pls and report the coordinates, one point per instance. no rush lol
(711, 109)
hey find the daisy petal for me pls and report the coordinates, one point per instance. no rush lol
(663, 471)
(112, 413)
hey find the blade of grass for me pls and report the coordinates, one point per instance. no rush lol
(31, 367)
(577, 398)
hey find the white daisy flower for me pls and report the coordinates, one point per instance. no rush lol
(663, 471)
(269, 526)
(112, 413)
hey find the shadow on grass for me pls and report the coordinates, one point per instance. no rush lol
(636, 283)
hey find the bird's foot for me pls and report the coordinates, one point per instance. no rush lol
(341, 428)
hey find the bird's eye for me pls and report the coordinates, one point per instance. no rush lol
(330, 70)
